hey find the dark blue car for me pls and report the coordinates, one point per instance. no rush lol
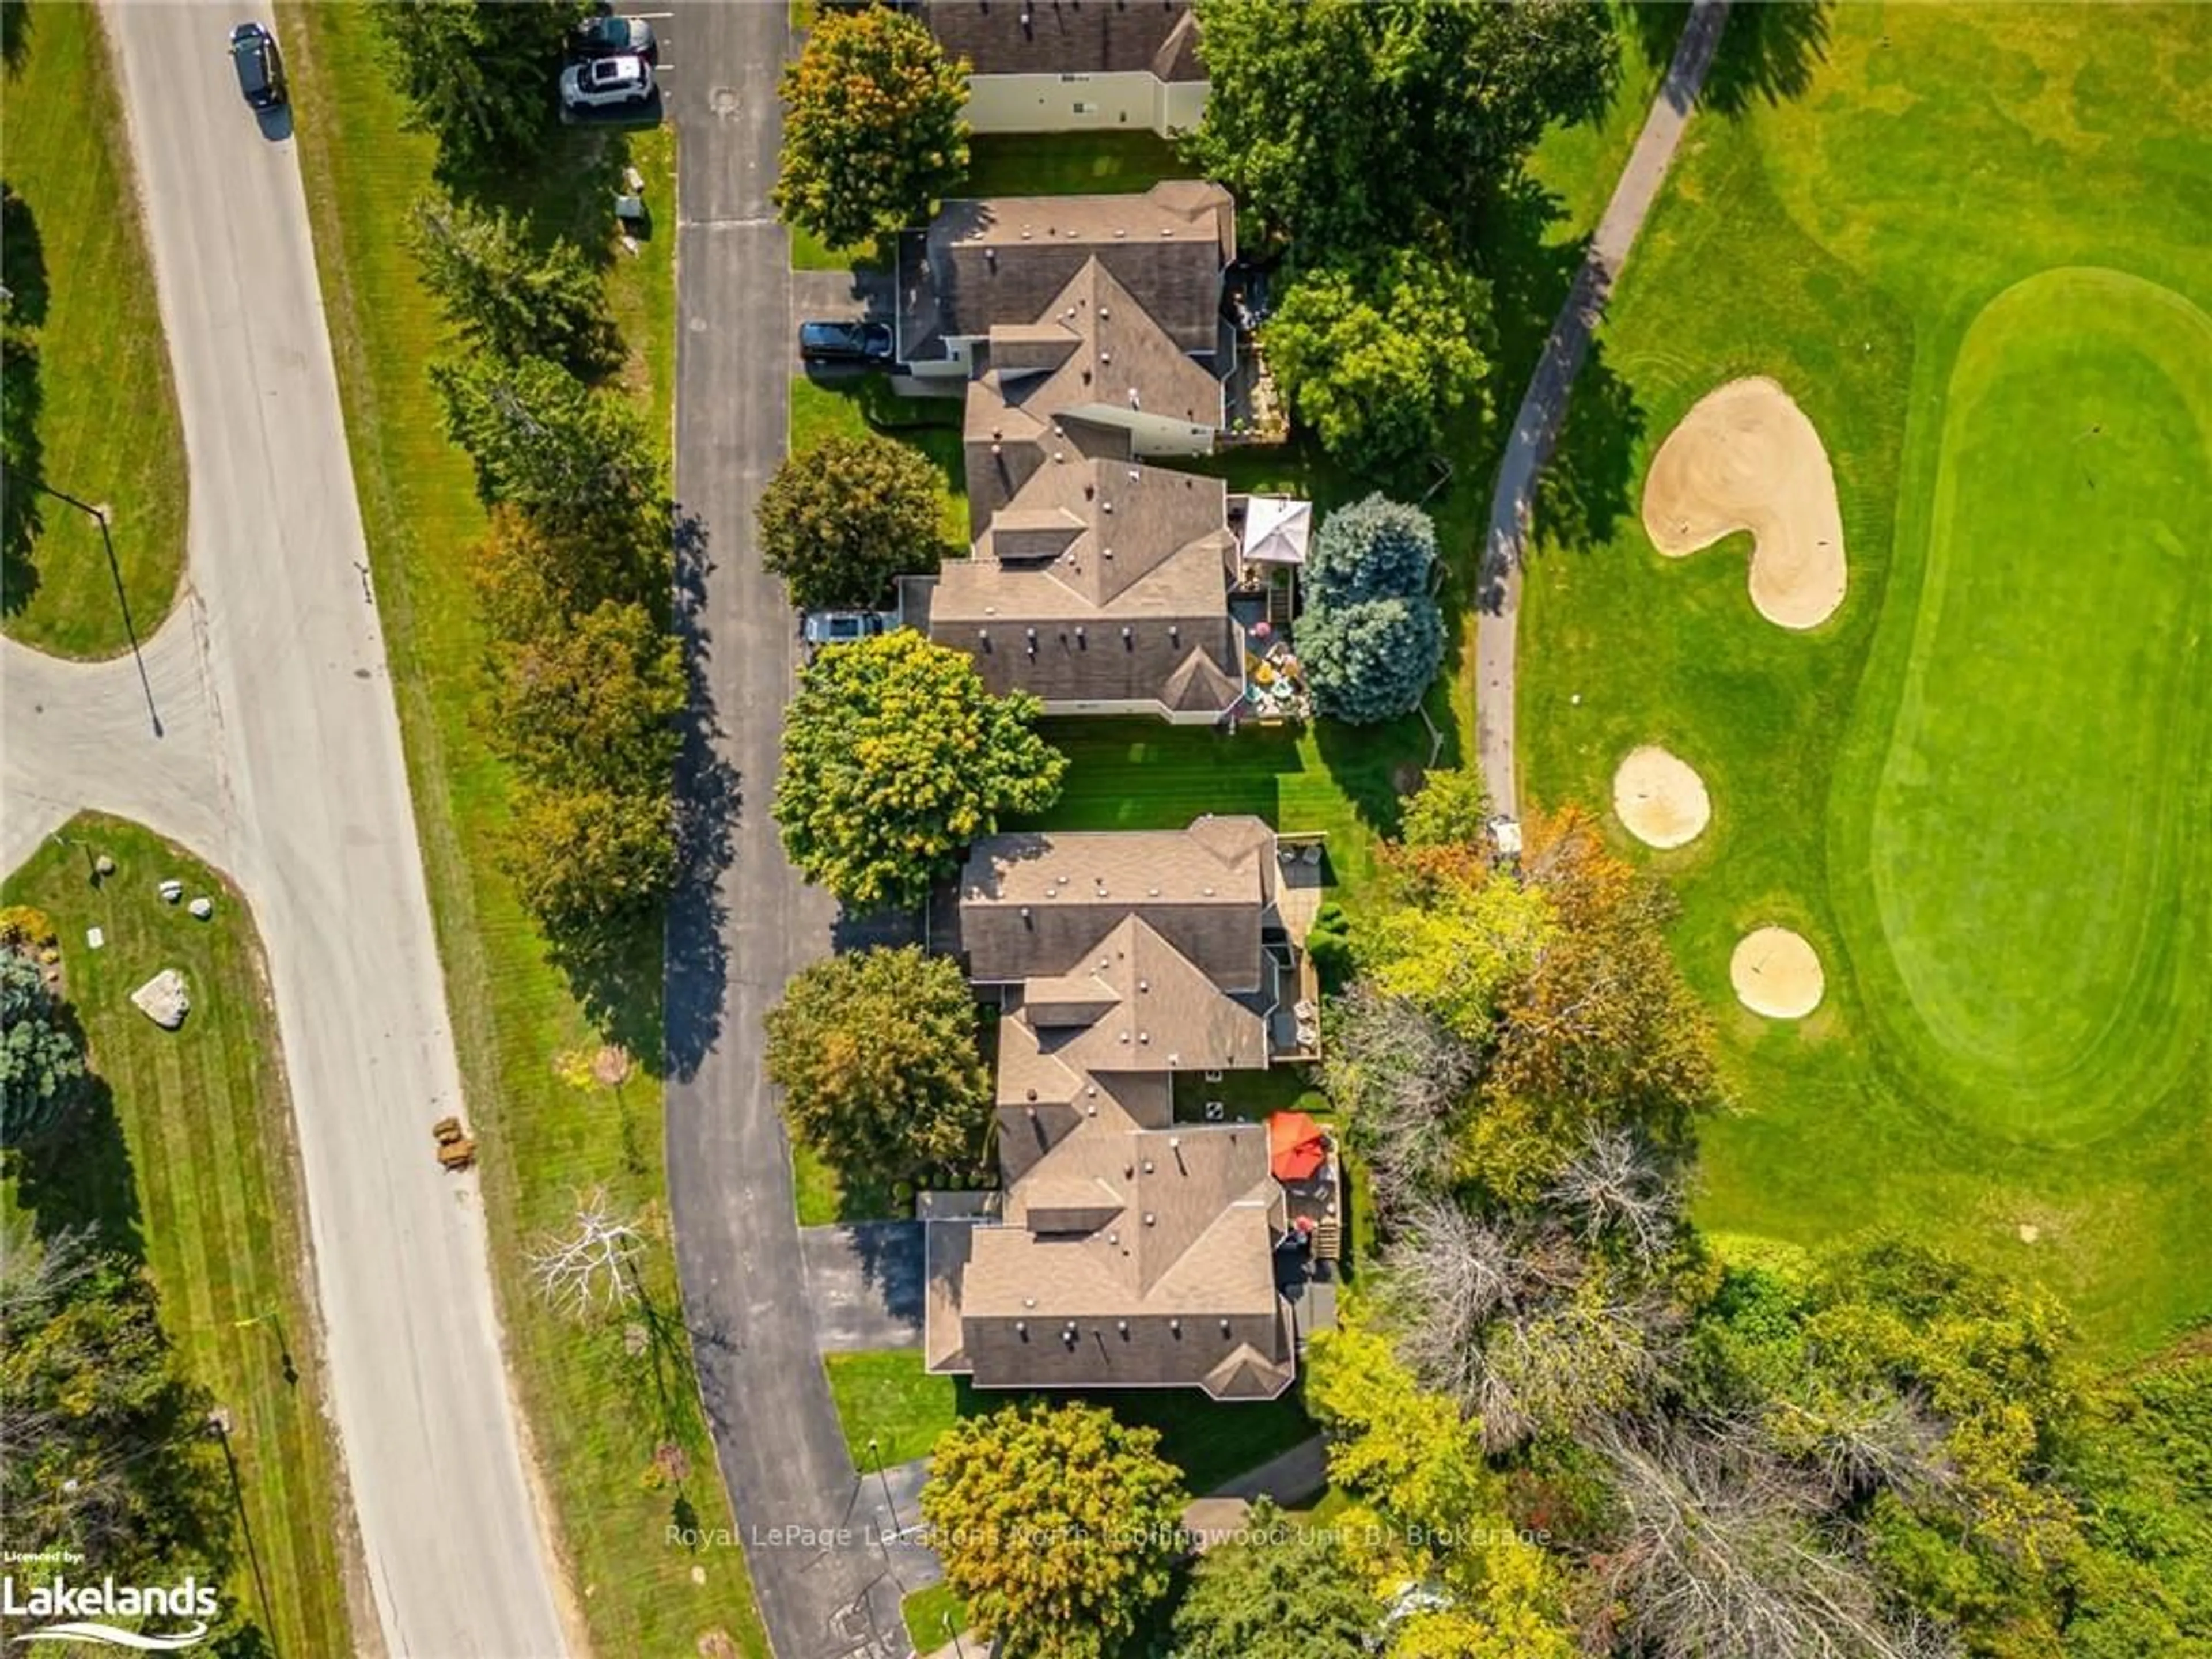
(260, 70)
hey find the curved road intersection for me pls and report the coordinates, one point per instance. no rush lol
(263, 732)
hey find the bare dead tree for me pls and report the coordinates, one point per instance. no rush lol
(1615, 1188)
(1722, 1551)
(1449, 1273)
(1577, 1362)
(589, 1265)
(1398, 1073)
(1864, 1442)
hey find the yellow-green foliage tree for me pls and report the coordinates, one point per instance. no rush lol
(894, 757)
(1427, 1510)
(872, 130)
(876, 1053)
(1058, 1526)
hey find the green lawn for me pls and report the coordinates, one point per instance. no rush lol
(601, 1400)
(185, 1156)
(1138, 774)
(854, 405)
(1070, 163)
(888, 1394)
(105, 416)
(1970, 243)
(934, 1617)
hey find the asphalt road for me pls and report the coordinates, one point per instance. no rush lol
(1536, 426)
(751, 923)
(265, 734)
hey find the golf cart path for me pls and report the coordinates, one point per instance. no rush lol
(258, 726)
(1536, 426)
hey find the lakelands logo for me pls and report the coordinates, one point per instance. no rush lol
(78, 1611)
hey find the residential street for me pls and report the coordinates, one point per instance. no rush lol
(753, 924)
(271, 746)
(1536, 425)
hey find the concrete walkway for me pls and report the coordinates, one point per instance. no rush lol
(1537, 425)
(258, 728)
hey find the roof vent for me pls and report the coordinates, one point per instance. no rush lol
(1122, 1326)
(1129, 638)
(1209, 892)
(1225, 1327)
(1091, 1112)
(1091, 1092)
(1145, 984)
(1059, 455)
(1120, 231)
(1112, 1238)
(1134, 475)
(1108, 553)
(1133, 403)
(1029, 1302)
(1078, 633)
(1155, 892)
(1144, 1037)
(1175, 1327)
(1125, 1037)
(1174, 1143)
(1105, 356)
(1026, 233)
(1165, 230)
(996, 450)
(1150, 1218)
(1021, 1328)
(1105, 507)
(1148, 1166)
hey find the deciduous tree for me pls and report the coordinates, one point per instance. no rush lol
(872, 134)
(42, 1068)
(876, 1053)
(1450, 809)
(1377, 356)
(532, 579)
(592, 704)
(507, 297)
(894, 757)
(1348, 124)
(1059, 1526)
(843, 517)
(1279, 1591)
(585, 859)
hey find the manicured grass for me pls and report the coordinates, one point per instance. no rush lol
(925, 1612)
(599, 1413)
(184, 1155)
(73, 250)
(1070, 163)
(888, 1396)
(1137, 773)
(856, 405)
(1980, 790)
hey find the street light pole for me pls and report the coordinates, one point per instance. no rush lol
(99, 516)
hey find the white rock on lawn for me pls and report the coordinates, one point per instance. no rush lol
(163, 1000)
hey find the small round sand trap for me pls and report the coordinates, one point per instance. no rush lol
(1776, 974)
(1747, 458)
(1660, 797)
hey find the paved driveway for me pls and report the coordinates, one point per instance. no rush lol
(866, 1282)
(264, 734)
(749, 924)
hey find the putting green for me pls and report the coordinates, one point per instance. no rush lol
(2035, 835)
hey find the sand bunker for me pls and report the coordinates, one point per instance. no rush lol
(1776, 974)
(1660, 798)
(1747, 458)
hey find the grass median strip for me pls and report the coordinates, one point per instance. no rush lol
(183, 1156)
(612, 1404)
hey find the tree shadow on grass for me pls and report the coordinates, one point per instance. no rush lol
(1768, 52)
(79, 1174)
(23, 271)
(14, 32)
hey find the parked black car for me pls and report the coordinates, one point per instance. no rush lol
(260, 69)
(609, 36)
(847, 343)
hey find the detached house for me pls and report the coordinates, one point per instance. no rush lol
(1072, 65)
(1129, 1249)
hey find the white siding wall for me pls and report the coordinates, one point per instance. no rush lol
(1050, 103)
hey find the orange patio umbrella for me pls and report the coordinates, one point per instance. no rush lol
(1296, 1146)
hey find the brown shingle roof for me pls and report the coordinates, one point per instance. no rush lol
(1004, 259)
(1033, 905)
(1069, 37)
